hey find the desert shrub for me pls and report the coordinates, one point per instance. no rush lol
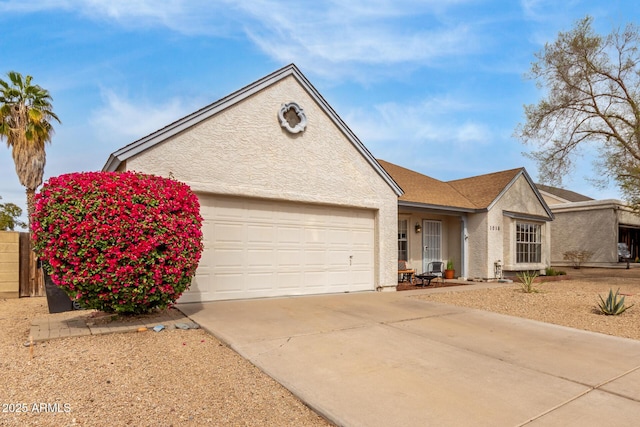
(118, 242)
(577, 257)
(526, 281)
(553, 272)
(613, 305)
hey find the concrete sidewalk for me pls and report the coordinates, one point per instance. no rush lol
(380, 359)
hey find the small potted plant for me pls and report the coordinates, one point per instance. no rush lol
(449, 272)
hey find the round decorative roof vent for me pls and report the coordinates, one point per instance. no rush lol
(292, 118)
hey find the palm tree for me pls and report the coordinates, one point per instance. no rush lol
(25, 120)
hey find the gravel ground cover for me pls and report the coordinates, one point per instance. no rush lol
(187, 377)
(566, 302)
(174, 377)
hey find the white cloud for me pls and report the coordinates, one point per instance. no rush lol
(124, 119)
(426, 124)
(352, 34)
(330, 37)
(211, 17)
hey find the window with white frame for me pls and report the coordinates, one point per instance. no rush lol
(402, 240)
(528, 242)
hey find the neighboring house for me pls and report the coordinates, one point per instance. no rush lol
(292, 201)
(478, 222)
(555, 195)
(582, 223)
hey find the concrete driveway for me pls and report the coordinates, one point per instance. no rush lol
(382, 359)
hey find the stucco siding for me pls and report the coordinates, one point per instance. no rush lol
(628, 217)
(243, 151)
(550, 199)
(594, 230)
(518, 199)
(478, 245)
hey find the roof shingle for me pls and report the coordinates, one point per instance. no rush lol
(477, 192)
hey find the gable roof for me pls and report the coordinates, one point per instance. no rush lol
(474, 194)
(483, 190)
(139, 146)
(424, 190)
(568, 195)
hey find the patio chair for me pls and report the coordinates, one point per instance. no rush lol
(436, 268)
(405, 272)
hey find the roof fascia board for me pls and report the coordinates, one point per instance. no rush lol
(592, 205)
(518, 215)
(437, 208)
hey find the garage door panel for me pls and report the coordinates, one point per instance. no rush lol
(339, 238)
(338, 259)
(229, 282)
(360, 259)
(315, 258)
(225, 258)
(260, 248)
(338, 279)
(289, 235)
(260, 281)
(224, 232)
(361, 238)
(315, 235)
(261, 234)
(290, 259)
(232, 209)
(289, 281)
(315, 280)
(263, 259)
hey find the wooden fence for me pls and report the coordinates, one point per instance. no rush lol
(9, 264)
(31, 277)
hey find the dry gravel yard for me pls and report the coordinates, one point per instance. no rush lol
(186, 377)
(567, 302)
(176, 377)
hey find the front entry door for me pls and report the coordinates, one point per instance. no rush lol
(431, 242)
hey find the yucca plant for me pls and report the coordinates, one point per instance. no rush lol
(614, 304)
(526, 281)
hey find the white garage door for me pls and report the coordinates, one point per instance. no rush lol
(258, 248)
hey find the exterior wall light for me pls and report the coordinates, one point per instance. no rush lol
(418, 227)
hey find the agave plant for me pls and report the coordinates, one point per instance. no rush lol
(526, 281)
(614, 304)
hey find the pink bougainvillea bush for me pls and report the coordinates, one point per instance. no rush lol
(124, 242)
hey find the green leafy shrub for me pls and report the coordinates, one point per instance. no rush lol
(553, 272)
(122, 243)
(526, 281)
(613, 305)
(449, 264)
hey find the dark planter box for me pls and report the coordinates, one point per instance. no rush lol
(57, 300)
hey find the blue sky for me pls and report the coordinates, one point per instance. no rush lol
(434, 85)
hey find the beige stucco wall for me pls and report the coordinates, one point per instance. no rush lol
(550, 199)
(593, 229)
(478, 243)
(9, 264)
(451, 237)
(492, 234)
(627, 216)
(243, 151)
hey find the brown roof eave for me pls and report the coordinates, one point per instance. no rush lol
(406, 204)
